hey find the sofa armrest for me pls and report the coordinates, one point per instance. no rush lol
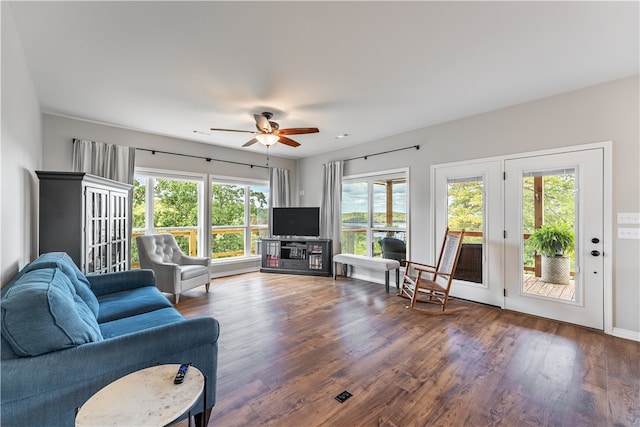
(68, 378)
(107, 283)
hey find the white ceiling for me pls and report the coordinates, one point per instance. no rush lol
(368, 69)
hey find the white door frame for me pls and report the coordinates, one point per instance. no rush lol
(491, 290)
(607, 237)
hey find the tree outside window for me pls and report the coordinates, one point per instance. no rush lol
(239, 218)
(174, 209)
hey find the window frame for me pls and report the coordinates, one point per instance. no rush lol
(247, 183)
(151, 175)
(371, 229)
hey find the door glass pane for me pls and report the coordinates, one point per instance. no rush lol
(465, 211)
(355, 217)
(548, 224)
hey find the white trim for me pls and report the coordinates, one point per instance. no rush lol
(626, 334)
(381, 174)
(222, 179)
(171, 174)
(607, 235)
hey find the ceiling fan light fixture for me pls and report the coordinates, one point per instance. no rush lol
(267, 139)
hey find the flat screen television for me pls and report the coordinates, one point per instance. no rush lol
(299, 221)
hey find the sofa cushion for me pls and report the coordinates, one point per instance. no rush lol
(130, 303)
(42, 312)
(64, 262)
(140, 322)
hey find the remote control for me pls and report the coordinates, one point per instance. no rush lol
(181, 373)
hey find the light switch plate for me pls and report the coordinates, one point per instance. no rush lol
(628, 218)
(628, 233)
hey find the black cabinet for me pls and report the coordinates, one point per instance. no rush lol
(297, 256)
(86, 216)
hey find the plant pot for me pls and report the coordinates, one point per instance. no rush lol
(556, 269)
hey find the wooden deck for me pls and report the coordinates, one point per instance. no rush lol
(534, 285)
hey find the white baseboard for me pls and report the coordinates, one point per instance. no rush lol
(626, 334)
(233, 272)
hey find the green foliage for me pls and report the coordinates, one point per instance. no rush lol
(559, 203)
(555, 239)
(465, 207)
(139, 201)
(175, 203)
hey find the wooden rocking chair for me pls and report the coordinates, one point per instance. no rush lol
(431, 284)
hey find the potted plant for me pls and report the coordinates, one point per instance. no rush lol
(554, 242)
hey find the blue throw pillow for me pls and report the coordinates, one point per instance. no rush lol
(41, 313)
(64, 262)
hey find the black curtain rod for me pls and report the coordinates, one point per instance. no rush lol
(208, 159)
(417, 147)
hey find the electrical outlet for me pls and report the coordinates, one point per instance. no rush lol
(628, 218)
(628, 233)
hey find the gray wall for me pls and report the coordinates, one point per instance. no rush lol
(20, 152)
(600, 113)
(58, 132)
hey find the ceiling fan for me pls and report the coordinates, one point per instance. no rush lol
(269, 132)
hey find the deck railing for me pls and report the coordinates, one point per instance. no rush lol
(192, 234)
(350, 237)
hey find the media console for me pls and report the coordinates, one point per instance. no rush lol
(296, 256)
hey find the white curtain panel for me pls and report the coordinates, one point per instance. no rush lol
(106, 160)
(331, 209)
(279, 188)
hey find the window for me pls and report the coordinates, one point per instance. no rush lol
(465, 207)
(239, 218)
(373, 207)
(164, 203)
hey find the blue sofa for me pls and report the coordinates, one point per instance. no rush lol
(66, 335)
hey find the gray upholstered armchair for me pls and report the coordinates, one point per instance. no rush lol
(175, 272)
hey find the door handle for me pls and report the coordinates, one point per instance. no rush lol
(595, 253)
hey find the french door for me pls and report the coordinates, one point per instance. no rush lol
(500, 202)
(469, 196)
(565, 188)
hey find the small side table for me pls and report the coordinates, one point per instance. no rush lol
(144, 398)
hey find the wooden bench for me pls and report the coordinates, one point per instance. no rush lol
(379, 264)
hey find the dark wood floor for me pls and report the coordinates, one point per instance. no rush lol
(289, 344)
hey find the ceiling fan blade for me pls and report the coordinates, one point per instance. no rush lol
(262, 123)
(296, 131)
(234, 130)
(250, 142)
(288, 141)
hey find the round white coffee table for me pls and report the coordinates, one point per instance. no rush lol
(143, 398)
